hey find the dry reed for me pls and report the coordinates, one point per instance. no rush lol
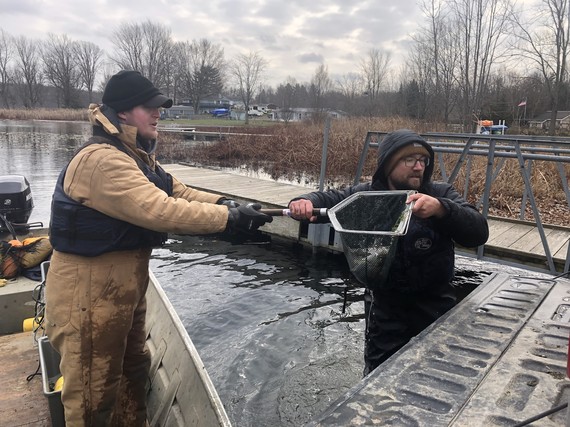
(293, 152)
(59, 114)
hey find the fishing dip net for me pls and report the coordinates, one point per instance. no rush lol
(369, 224)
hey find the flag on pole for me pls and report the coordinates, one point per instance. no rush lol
(522, 103)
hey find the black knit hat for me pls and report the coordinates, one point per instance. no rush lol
(127, 89)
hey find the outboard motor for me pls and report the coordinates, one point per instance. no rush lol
(16, 202)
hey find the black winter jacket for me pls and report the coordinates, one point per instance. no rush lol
(424, 260)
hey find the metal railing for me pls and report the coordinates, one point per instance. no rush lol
(525, 149)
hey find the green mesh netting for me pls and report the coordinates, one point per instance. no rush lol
(369, 224)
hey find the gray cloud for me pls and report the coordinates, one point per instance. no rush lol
(293, 36)
(307, 58)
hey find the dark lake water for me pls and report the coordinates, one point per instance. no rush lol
(280, 329)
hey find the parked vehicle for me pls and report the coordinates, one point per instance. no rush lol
(255, 111)
(220, 112)
(494, 130)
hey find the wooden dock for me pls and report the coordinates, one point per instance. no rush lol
(196, 134)
(510, 241)
(23, 402)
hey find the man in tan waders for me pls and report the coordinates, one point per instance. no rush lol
(112, 204)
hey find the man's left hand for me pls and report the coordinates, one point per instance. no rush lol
(426, 206)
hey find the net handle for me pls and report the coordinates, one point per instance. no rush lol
(287, 212)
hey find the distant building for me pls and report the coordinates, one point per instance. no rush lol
(208, 105)
(255, 110)
(300, 114)
(177, 112)
(542, 121)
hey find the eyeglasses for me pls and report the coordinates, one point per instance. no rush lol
(411, 161)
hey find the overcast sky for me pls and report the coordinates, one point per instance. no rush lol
(294, 36)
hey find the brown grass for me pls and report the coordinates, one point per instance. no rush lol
(290, 151)
(60, 114)
(293, 152)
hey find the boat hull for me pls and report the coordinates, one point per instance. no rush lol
(181, 392)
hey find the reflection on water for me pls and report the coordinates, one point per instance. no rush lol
(265, 318)
(279, 329)
(39, 150)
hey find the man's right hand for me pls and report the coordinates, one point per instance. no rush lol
(302, 209)
(246, 218)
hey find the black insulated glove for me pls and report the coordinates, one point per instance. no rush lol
(228, 202)
(247, 218)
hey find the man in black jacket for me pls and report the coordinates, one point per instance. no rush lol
(418, 287)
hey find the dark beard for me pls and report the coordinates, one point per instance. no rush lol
(403, 185)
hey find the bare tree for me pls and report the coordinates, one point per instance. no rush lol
(287, 96)
(545, 40)
(350, 85)
(60, 69)
(201, 65)
(481, 28)
(247, 72)
(417, 79)
(6, 52)
(176, 77)
(374, 68)
(28, 76)
(171, 73)
(146, 48)
(321, 84)
(433, 61)
(447, 63)
(129, 51)
(88, 57)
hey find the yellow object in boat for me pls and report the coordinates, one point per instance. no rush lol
(58, 384)
(30, 324)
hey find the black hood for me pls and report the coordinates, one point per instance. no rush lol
(390, 144)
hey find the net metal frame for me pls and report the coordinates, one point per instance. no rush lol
(369, 224)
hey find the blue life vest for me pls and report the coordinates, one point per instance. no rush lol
(80, 230)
